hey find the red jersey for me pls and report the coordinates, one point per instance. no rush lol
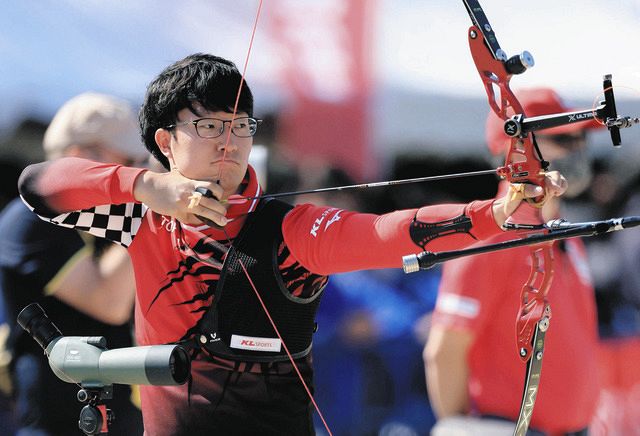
(481, 294)
(322, 240)
(173, 290)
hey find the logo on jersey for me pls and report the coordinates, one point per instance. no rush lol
(333, 219)
(317, 223)
(168, 223)
(255, 343)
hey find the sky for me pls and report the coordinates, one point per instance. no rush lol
(573, 42)
(52, 50)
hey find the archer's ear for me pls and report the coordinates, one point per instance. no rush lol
(163, 139)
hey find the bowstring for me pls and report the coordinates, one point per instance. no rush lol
(224, 154)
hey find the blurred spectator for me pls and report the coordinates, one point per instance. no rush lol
(474, 373)
(615, 258)
(9, 172)
(85, 286)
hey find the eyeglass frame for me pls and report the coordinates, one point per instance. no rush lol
(195, 125)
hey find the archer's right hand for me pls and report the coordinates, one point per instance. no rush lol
(172, 194)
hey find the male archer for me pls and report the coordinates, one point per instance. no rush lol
(204, 266)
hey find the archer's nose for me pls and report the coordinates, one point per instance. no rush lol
(223, 143)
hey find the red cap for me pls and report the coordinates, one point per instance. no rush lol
(535, 102)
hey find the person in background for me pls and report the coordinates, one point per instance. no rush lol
(202, 256)
(9, 173)
(474, 375)
(85, 286)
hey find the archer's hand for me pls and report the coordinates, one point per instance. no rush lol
(505, 206)
(173, 194)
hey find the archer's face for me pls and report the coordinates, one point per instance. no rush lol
(554, 147)
(223, 158)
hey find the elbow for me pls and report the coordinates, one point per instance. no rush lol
(115, 314)
(120, 314)
(113, 318)
(29, 191)
(118, 318)
(27, 182)
(432, 355)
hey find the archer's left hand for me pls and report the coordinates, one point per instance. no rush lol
(503, 207)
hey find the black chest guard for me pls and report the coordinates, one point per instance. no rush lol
(236, 326)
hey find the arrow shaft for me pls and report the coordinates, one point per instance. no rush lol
(377, 184)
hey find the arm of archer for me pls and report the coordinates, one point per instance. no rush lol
(102, 288)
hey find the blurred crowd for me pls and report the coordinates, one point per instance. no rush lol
(373, 325)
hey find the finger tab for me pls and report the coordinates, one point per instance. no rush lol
(204, 191)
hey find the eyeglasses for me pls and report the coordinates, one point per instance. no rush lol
(244, 127)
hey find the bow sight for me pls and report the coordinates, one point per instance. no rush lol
(606, 113)
(501, 68)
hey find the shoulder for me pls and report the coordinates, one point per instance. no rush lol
(30, 244)
(19, 224)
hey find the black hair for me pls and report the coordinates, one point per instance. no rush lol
(209, 80)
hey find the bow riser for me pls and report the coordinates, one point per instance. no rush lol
(523, 164)
(533, 299)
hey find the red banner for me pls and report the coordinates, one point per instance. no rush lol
(326, 47)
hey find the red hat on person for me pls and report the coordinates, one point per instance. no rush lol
(535, 102)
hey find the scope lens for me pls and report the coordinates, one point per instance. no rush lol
(33, 319)
(180, 365)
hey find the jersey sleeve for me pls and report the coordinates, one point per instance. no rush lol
(328, 240)
(93, 197)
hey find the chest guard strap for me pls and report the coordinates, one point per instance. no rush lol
(236, 326)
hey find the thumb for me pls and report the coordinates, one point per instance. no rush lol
(511, 202)
(532, 191)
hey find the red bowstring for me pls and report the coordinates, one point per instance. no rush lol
(235, 105)
(306, 388)
(264, 307)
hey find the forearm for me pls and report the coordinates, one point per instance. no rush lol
(447, 372)
(328, 241)
(70, 184)
(101, 288)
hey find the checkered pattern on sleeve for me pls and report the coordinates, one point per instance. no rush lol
(116, 222)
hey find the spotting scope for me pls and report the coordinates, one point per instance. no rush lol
(85, 360)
